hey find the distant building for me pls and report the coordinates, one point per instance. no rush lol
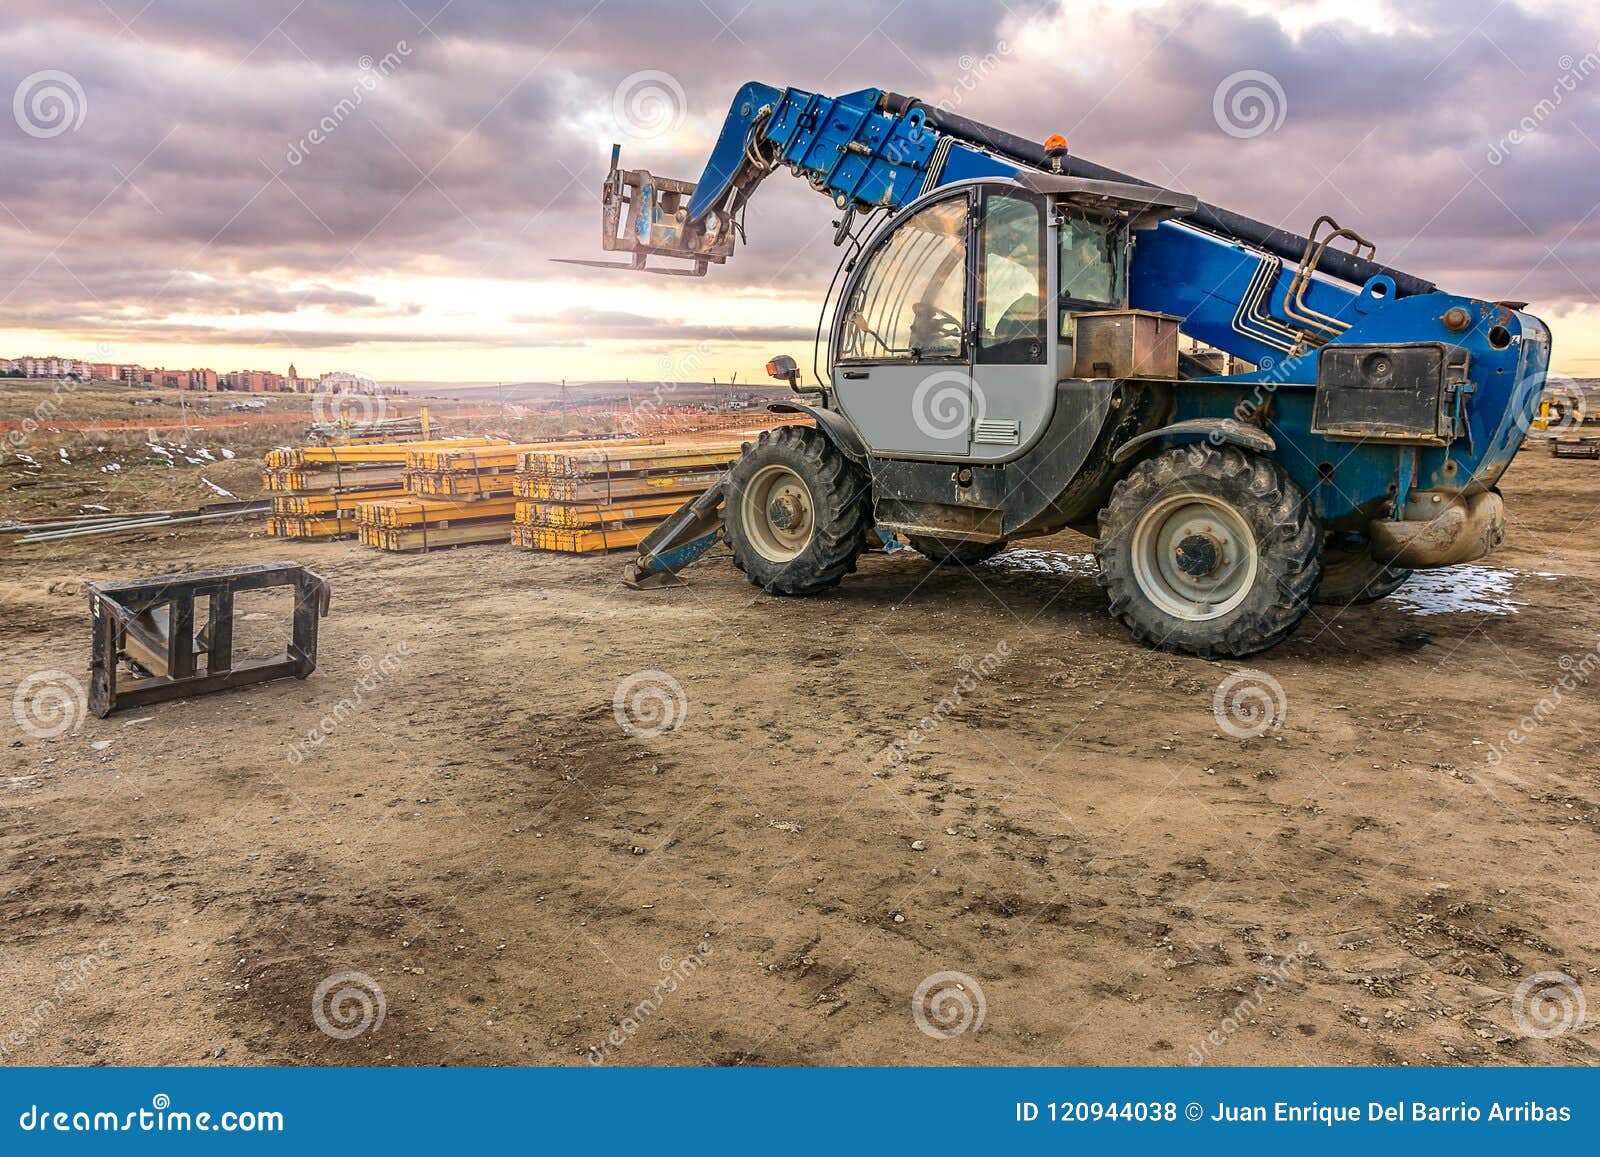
(340, 382)
(50, 368)
(245, 381)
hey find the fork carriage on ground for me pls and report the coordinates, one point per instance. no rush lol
(1004, 363)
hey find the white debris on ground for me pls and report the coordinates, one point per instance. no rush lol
(1472, 588)
(1026, 560)
(228, 454)
(217, 490)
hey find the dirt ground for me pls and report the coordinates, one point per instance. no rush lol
(1115, 876)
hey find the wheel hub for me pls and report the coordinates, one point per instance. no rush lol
(1199, 555)
(1194, 556)
(784, 512)
(777, 513)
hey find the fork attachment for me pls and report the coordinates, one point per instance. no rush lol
(149, 624)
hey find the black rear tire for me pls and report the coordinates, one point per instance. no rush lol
(1218, 507)
(942, 550)
(797, 511)
(1352, 579)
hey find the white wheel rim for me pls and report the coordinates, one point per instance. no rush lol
(778, 513)
(1194, 556)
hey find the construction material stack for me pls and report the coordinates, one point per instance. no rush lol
(455, 495)
(578, 501)
(316, 489)
(416, 523)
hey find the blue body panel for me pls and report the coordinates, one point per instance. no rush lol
(1227, 295)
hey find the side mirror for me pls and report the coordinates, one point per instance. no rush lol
(784, 369)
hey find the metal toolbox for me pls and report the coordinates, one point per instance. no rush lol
(1125, 343)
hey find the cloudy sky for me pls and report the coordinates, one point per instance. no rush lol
(161, 199)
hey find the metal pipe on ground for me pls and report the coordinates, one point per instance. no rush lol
(260, 509)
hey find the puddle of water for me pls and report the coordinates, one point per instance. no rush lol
(1026, 560)
(1471, 588)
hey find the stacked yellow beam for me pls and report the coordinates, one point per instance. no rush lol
(425, 538)
(455, 495)
(579, 541)
(613, 489)
(417, 511)
(286, 457)
(481, 471)
(420, 523)
(609, 497)
(612, 462)
(296, 526)
(297, 480)
(587, 515)
(330, 501)
(316, 489)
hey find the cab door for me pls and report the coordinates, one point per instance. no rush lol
(1014, 376)
(902, 364)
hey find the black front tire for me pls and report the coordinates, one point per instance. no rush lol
(795, 476)
(1352, 579)
(942, 550)
(1219, 506)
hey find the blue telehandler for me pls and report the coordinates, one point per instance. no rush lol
(1003, 362)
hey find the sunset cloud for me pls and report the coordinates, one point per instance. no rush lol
(384, 184)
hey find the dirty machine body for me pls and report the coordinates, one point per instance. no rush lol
(1003, 362)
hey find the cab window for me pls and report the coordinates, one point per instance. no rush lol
(1091, 266)
(1011, 288)
(910, 304)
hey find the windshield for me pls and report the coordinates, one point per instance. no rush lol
(911, 300)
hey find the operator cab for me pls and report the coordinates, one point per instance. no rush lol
(943, 347)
